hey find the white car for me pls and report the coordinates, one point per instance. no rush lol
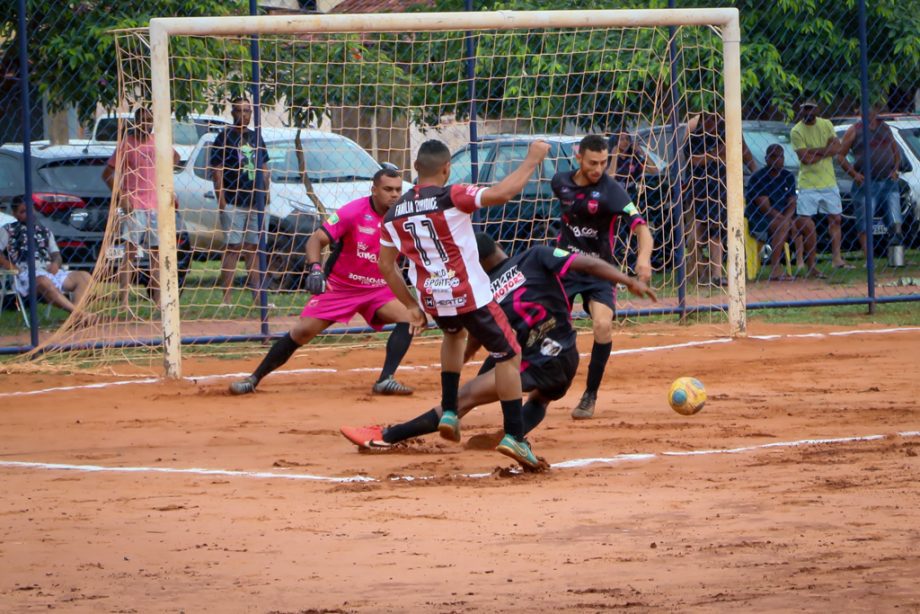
(338, 169)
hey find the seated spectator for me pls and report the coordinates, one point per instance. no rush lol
(886, 159)
(51, 280)
(816, 144)
(771, 207)
(628, 163)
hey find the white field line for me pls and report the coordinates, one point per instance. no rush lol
(312, 370)
(577, 463)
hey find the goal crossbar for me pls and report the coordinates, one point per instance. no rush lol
(726, 19)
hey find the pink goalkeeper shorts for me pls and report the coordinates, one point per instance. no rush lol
(342, 303)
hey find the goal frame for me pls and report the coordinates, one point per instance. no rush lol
(161, 29)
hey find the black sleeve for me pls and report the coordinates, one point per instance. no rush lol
(556, 183)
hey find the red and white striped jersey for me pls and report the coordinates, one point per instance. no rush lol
(432, 227)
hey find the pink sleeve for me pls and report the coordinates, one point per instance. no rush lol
(466, 197)
(340, 222)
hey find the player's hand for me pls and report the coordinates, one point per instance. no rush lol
(316, 279)
(644, 272)
(640, 289)
(538, 150)
(418, 322)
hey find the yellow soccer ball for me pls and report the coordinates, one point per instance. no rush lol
(687, 396)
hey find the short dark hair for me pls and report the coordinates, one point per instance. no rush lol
(593, 142)
(432, 155)
(773, 149)
(485, 244)
(386, 172)
(17, 200)
(140, 110)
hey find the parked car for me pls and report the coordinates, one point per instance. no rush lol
(186, 133)
(338, 169)
(72, 201)
(533, 217)
(70, 198)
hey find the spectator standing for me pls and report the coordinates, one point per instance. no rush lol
(816, 144)
(771, 206)
(883, 169)
(51, 279)
(138, 200)
(237, 156)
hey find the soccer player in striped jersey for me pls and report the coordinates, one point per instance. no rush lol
(432, 226)
(529, 288)
(354, 286)
(593, 204)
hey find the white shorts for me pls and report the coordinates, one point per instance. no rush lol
(22, 279)
(819, 200)
(140, 228)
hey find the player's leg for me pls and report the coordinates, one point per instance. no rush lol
(397, 345)
(281, 351)
(228, 264)
(452, 347)
(600, 306)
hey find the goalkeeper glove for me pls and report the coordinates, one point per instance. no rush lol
(316, 280)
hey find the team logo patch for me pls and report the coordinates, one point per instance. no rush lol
(630, 209)
(592, 206)
(560, 253)
(333, 219)
(472, 189)
(595, 194)
(429, 302)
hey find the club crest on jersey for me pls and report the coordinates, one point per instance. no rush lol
(508, 282)
(592, 206)
(595, 195)
(333, 219)
(630, 209)
(560, 253)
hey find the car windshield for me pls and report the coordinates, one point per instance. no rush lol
(10, 174)
(325, 160)
(911, 136)
(79, 176)
(184, 132)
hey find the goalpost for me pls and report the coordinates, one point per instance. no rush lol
(389, 81)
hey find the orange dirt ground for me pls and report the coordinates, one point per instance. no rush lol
(816, 527)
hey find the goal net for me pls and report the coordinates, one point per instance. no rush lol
(334, 97)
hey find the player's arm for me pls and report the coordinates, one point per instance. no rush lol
(316, 278)
(747, 156)
(596, 267)
(472, 346)
(644, 252)
(514, 182)
(390, 271)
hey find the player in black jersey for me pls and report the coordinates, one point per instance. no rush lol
(529, 289)
(593, 204)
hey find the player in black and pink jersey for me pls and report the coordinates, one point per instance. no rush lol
(431, 225)
(529, 288)
(593, 204)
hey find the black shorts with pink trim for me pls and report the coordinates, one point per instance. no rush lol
(488, 325)
(590, 289)
(552, 377)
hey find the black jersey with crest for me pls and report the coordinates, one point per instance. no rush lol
(590, 214)
(528, 287)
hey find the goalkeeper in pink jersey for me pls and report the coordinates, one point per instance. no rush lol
(349, 284)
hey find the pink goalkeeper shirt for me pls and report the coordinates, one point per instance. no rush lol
(357, 226)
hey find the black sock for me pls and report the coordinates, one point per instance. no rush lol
(450, 384)
(416, 427)
(532, 414)
(511, 412)
(600, 354)
(397, 346)
(279, 354)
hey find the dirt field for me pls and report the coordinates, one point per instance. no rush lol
(831, 526)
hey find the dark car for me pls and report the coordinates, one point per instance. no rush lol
(72, 200)
(533, 217)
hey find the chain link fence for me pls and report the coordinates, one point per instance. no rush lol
(845, 232)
